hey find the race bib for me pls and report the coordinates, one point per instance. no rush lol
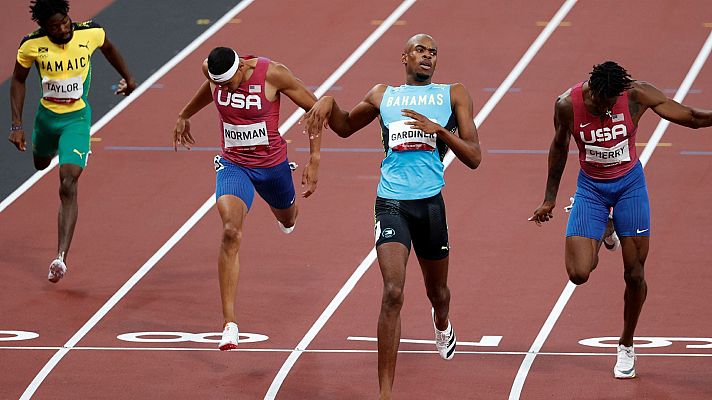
(606, 155)
(245, 135)
(63, 90)
(402, 137)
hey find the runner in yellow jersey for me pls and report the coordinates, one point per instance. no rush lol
(61, 51)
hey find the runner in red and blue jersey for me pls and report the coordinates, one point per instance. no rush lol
(602, 115)
(246, 92)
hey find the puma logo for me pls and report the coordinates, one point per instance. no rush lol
(86, 46)
(81, 155)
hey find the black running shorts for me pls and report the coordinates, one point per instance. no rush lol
(421, 221)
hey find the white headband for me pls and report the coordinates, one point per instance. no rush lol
(227, 75)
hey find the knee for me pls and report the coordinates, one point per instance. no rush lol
(578, 276)
(579, 272)
(634, 277)
(231, 237)
(68, 186)
(393, 297)
(578, 279)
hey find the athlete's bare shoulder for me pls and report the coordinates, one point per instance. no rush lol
(375, 95)
(564, 100)
(564, 109)
(278, 74)
(274, 67)
(641, 89)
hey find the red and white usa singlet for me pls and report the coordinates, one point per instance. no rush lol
(606, 148)
(249, 122)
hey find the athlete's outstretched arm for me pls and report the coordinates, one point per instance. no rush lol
(286, 82)
(17, 102)
(344, 123)
(466, 146)
(558, 152)
(651, 97)
(181, 133)
(127, 84)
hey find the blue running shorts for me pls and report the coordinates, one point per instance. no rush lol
(273, 184)
(627, 195)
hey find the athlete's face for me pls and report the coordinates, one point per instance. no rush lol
(59, 28)
(420, 57)
(603, 105)
(234, 83)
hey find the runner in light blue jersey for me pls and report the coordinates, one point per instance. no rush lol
(399, 178)
(420, 121)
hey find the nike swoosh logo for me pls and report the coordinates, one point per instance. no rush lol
(641, 230)
(584, 125)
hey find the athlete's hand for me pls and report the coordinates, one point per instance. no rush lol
(421, 122)
(317, 119)
(309, 177)
(125, 88)
(543, 213)
(18, 139)
(181, 134)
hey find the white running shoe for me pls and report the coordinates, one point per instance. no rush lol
(229, 337)
(57, 270)
(625, 364)
(610, 238)
(445, 341)
(286, 230)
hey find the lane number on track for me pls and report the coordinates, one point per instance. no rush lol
(181, 337)
(649, 341)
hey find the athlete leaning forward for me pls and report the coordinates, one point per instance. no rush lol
(246, 92)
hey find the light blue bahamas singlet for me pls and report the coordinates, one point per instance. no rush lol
(413, 167)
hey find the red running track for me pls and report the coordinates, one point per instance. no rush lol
(506, 274)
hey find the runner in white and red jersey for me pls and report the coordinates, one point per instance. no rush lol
(246, 92)
(602, 115)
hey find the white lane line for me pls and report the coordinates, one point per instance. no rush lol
(518, 384)
(351, 351)
(371, 257)
(135, 95)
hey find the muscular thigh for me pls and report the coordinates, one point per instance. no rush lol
(391, 225)
(274, 185)
(66, 135)
(631, 214)
(231, 179)
(588, 217)
(429, 229)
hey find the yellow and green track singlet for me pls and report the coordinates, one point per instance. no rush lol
(65, 70)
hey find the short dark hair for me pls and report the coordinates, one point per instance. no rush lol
(220, 60)
(42, 10)
(609, 80)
